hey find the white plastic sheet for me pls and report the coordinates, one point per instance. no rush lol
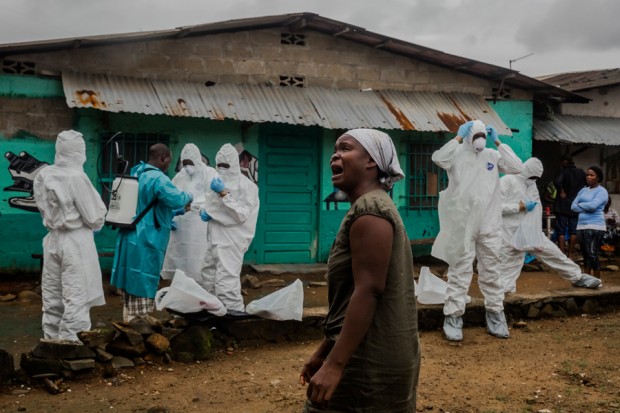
(185, 295)
(284, 304)
(431, 289)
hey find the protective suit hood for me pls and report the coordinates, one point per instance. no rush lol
(531, 167)
(70, 150)
(232, 175)
(381, 149)
(192, 153)
(477, 127)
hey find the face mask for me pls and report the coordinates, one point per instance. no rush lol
(189, 169)
(479, 144)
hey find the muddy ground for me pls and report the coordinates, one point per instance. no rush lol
(554, 365)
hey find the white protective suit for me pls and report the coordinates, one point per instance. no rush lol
(230, 230)
(517, 188)
(470, 219)
(71, 209)
(188, 242)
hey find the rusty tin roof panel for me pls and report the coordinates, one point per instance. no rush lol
(111, 93)
(583, 130)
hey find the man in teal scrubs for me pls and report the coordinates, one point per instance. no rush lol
(139, 254)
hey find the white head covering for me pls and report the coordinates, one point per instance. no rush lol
(70, 150)
(197, 183)
(477, 127)
(532, 167)
(231, 176)
(381, 149)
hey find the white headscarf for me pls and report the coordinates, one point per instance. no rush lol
(531, 167)
(381, 149)
(70, 150)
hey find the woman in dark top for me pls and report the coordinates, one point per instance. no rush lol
(369, 359)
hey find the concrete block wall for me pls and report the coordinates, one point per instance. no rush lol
(42, 118)
(605, 102)
(258, 57)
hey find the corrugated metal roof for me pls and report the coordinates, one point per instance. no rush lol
(329, 108)
(310, 21)
(576, 81)
(578, 130)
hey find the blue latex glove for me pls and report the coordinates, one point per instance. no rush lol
(173, 225)
(204, 216)
(492, 133)
(464, 129)
(530, 205)
(96, 231)
(179, 211)
(217, 184)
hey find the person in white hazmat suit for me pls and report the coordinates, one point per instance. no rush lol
(231, 210)
(72, 210)
(520, 197)
(470, 221)
(188, 240)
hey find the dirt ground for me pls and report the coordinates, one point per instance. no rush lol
(555, 365)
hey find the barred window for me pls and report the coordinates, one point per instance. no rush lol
(18, 68)
(297, 81)
(133, 147)
(425, 178)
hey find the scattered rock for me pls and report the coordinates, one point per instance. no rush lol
(132, 336)
(612, 268)
(77, 365)
(102, 355)
(7, 297)
(197, 340)
(317, 284)
(250, 281)
(158, 343)
(29, 297)
(119, 362)
(520, 324)
(121, 346)
(273, 283)
(97, 338)
(7, 368)
(590, 307)
(146, 324)
(62, 349)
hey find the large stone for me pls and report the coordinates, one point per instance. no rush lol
(65, 350)
(133, 337)
(29, 297)
(102, 355)
(34, 365)
(7, 368)
(146, 325)
(97, 338)
(7, 297)
(532, 311)
(591, 307)
(158, 343)
(122, 347)
(197, 340)
(571, 306)
(121, 362)
(77, 365)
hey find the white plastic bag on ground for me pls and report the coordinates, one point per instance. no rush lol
(284, 304)
(185, 295)
(431, 289)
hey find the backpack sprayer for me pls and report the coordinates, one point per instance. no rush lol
(123, 194)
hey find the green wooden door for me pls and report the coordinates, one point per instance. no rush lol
(289, 179)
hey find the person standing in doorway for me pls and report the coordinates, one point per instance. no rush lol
(139, 253)
(568, 183)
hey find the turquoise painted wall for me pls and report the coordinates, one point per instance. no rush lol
(209, 136)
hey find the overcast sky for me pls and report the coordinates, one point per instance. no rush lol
(563, 35)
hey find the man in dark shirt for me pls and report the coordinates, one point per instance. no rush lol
(568, 183)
